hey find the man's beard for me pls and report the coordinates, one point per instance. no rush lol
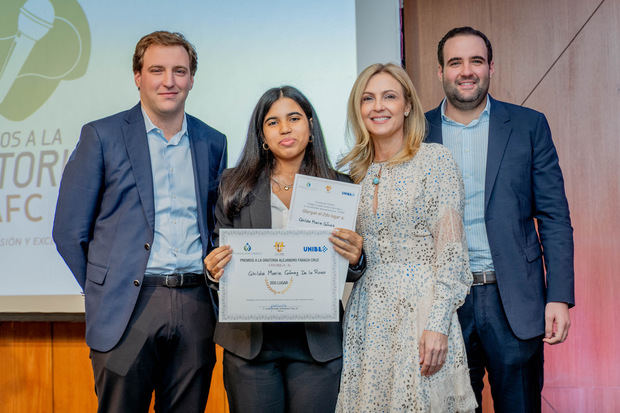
(466, 103)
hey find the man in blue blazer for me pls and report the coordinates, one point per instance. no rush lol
(516, 221)
(134, 218)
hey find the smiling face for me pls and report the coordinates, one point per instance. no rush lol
(286, 130)
(383, 107)
(466, 73)
(164, 81)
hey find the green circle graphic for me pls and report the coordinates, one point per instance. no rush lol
(41, 43)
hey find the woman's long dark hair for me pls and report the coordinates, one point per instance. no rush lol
(238, 183)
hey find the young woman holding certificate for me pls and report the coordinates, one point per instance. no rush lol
(403, 347)
(279, 367)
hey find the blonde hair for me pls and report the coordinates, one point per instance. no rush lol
(414, 128)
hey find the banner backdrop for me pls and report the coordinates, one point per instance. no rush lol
(64, 63)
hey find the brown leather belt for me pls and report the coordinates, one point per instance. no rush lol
(484, 277)
(179, 280)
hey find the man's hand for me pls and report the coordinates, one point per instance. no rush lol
(433, 350)
(557, 323)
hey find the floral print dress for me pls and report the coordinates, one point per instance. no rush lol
(417, 275)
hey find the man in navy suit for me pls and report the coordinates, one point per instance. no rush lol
(516, 221)
(134, 218)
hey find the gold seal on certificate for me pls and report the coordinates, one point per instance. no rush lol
(279, 275)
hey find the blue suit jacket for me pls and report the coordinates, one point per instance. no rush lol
(105, 214)
(524, 184)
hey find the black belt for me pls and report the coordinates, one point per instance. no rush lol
(178, 280)
(484, 277)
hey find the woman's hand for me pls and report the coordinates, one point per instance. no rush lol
(217, 260)
(433, 350)
(348, 244)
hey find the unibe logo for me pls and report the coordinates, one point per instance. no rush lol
(321, 248)
(42, 42)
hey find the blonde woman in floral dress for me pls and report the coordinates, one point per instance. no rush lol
(403, 348)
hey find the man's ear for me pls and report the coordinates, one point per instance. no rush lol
(137, 77)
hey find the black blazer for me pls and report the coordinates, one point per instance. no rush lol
(246, 339)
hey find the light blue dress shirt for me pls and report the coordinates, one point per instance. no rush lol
(177, 247)
(469, 144)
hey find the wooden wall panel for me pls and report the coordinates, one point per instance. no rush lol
(527, 36)
(46, 368)
(581, 97)
(74, 384)
(561, 58)
(218, 401)
(26, 363)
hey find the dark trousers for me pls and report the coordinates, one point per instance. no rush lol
(167, 347)
(515, 366)
(282, 378)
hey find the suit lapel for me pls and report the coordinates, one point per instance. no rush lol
(499, 134)
(200, 162)
(260, 206)
(134, 135)
(433, 118)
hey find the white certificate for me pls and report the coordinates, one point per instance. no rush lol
(319, 202)
(279, 275)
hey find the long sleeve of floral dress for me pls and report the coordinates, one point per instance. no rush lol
(444, 211)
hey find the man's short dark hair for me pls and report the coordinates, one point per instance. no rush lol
(164, 38)
(460, 31)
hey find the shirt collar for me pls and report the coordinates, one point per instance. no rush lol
(151, 127)
(484, 115)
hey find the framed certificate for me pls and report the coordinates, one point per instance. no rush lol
(279, 275)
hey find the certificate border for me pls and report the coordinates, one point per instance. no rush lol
(331, 315)
(354, 187)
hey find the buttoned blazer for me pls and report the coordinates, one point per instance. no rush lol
(524, 188)
(246, 339)
(105, 218)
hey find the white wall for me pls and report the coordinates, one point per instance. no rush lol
(378, 32)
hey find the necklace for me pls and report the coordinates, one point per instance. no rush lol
(377, 177)
(375, 182)
(282, 186)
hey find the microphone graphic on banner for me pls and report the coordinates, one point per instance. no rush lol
(36, 18)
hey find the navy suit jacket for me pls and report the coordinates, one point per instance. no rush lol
(105, 216)
(524, 188)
